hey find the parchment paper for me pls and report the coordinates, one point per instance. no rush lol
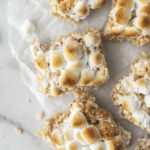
(119, 55)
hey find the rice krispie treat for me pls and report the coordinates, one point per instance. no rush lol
(75, 61)
(74, 10)
(143, 144)
(129, 19)
(132, 93)
(85, 127)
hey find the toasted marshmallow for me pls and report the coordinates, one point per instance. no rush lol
(117, 30)
(56, 61)
(140, 70)
(78, 120)
(145, 10)
(142, 22)
(72, 51)
(57, 138)
(91, 40)
(125, 3)
(96, 3)
(78, 137)
(142, 86)
(98, 146)
(109, 145)
(63, 62)
(67, 135)
(101, 76)
(56, 90)
(69, 79)
(91, 134)
(147, 100)
(77, 65)
(122, 16)
(86, 77)
(41, 61)
(139, 116)
(97, 59)
(81, 9)
(61, 148)
(28, 27)
(131, 32)
(72, 146)
(130, 105)
(142, 2)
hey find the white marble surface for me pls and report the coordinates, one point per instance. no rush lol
(16, 112)
(14, 109)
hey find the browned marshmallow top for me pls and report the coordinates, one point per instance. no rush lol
(73, 61)
(85, 127)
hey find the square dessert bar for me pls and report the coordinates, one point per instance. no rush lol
(75, 61)
(129, 19)
(85, 126)
(132, 93)
(74, 10)
(143, 144)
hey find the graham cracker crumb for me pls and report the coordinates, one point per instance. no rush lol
(18, 131)
(40, 116)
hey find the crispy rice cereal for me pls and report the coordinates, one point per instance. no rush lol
(72, 62)
(85, 127)
(132, 93)
(143, 144)
(74, 10)
(129, 19)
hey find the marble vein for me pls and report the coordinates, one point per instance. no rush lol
(5, 119)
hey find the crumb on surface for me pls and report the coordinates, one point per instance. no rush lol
(40, 116)
(18, 131)
(28, 100)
